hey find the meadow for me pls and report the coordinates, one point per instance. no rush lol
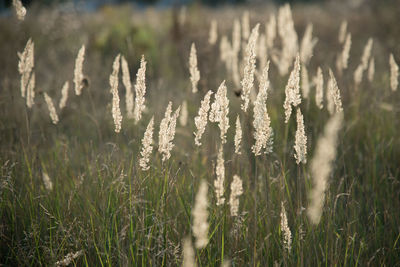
(227, 175)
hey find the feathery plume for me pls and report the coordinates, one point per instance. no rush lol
(263, 134)
(250, 67)
(51, 108)
(184, 114)
(213, 35)
(219, 182)
(358, 75)
(287, 234)
(319, 89)
(200, 214)
(292, 90)
(321, 166)
(25, 65)
(236, 191)
(188, 254)
(394, 73)
(238, 136)
(78, 71)
(262, 52)
(307, 45)
(201, 119)
(126, 80)
(116, 112)
(167, 132)
(140, 90)
(246, 25)
(219, 111)
(47, 182)
(236, 41)
(300, 145)
(194, 71)
(371, 70)
(30, 92)
(236, 36)
(64, 96)
(342, 31)
(270, 31)
(305, 83)
(366, 53)
(343, 58)
(20, 10)
(334, 99)
(147, 147)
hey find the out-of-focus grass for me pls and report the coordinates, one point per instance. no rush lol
(103, 204)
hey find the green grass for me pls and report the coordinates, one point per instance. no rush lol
(103, 204)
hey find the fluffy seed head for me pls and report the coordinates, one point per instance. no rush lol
(394, 73)
(321, 166)
(147, 147)
(213, 35)
(47, 182)
(200, 215)
(371, 70)
(250, 67)
(219, 182)
(238, 136)
(78, 71)
(292, 90)
(305, 83)
(194, 71)
(64, 96)
(219, 111)
(25, 65)
(167, 132)
(300, 145)
(201, 119)
(307, 45)
(236, 191)
(126, 80)
(51, 108)
(343, 58)
(246, 25)
(184, 114)
(366, 54)
(116, 112)
(188, 254)
(140, 90)
(342, 31)
(270, 31)
(334, 99)
(319, 89)
(20, 10)
(287, 234)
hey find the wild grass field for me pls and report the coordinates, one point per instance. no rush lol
(75, 191)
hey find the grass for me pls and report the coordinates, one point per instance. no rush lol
(103, 204)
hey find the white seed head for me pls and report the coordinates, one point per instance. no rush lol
(270, 31)
(321, 166)
(147, 146)
(140, 90)
(20, 10)
(342, 31)
(263, 133)
(343, 58)
(236, 191)
(219, 182)
(78, 71)
(238, 136)
(47, 182)
(64, 96)
(394, 73)
(300, 145)
(292, 90)
(200, 216)
(319, 89)
(305, 82)
(249, 68)
(126, 80)
(201, 119)
(30, 91)
(358, 75)
(116, 112)
(184, 114)
(188, 254)
(219, 111)
(334, 98)
(371, 70)
(307, 45)
(167, 132)
(51, 108)
(246, 25)
(287, 234)
(366, 53)
(213, 34)
(25, 65)
(194, 71)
